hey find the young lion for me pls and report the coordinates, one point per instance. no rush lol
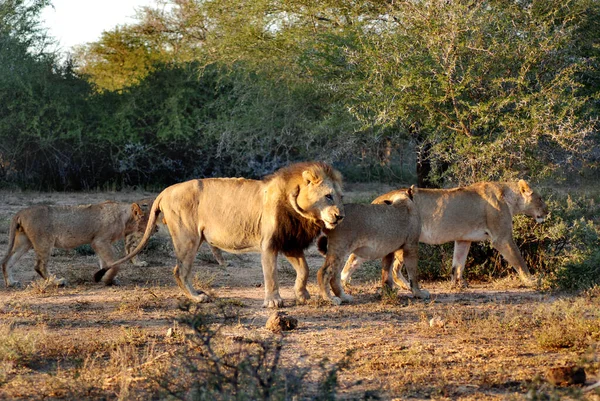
(372, 232)
(66, 227)
(478, 212)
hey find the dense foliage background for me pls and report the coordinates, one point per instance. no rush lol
(431, 91)
(455, 91)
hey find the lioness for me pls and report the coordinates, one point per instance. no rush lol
(45, 227)
(479, 212)
(133, 239)
(282, 213)
(371, 232)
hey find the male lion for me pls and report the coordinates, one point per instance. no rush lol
(371, 232)
(66, 227)
(479, 212)
(133, 239)
(282, 213)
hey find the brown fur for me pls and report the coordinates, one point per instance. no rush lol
(370, 232)
(479, 212)
(45, 227)
(282, 213)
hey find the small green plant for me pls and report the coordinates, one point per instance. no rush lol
(18, 348)
(204, 280)
(43, 286)
(567, 324)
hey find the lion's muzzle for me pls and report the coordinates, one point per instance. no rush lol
(333, 220)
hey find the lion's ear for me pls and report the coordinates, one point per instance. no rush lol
(136, 211)
(309, 177)
(524, 188)
(411, 192)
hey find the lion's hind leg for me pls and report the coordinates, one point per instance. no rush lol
(459, 258)
(186, 253)
(106, 254)
(20, 248)
(411, 257)
(131, 242)
(353, 263)
(42, 254)
(399, 278)
(218, 255)
(338, 287)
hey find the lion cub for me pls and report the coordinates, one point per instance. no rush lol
(66, 227)
(372, 232)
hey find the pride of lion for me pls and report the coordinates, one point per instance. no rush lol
(284, 213)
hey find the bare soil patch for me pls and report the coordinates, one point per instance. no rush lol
(494, 340)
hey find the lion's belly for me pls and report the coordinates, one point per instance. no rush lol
(237, 249)
(375, 250)
(436, 236)
(235, 245)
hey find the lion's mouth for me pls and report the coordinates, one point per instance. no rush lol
(332, 224)
(540, 219)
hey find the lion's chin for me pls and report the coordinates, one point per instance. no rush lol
(540, 219)
(330, 226)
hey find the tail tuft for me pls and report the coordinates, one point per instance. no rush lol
(99, 274)
(322, 245)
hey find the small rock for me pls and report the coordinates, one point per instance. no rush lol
(279, 321)
(437, 321)
(566, 375)
(184, 304)
(170, 332)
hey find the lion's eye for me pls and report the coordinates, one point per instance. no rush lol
(329, 197)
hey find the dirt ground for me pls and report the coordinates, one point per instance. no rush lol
(494, 340)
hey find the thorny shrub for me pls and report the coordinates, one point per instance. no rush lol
(216, 366)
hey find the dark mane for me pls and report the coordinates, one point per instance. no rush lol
(293, 233)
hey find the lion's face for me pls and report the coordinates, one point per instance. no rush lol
(533, 204)
(133, 222)
(145, 206)
(322, 199)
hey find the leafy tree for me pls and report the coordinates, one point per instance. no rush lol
(490, 89)
(41, 101)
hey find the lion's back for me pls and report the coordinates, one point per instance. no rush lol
(71, 226)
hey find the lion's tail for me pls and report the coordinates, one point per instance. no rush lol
(152, 219)
(322, 244)
(12, 232)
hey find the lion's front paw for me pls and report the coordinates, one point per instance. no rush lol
(201, 298)
(346, 298)
(273, 301)
(422, 294)
(61, 282)
(13, 283)
(459, 284)
(528, 280)
(112, 281)
(302, 297)
(336, 301)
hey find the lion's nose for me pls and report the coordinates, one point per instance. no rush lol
(338, 218)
